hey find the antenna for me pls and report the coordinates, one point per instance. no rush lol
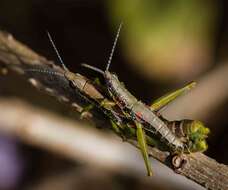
(56, 51)
(46, 71)
(92, 68)
(114, 46)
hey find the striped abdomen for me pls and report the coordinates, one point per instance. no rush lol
(139, 111)
(154, 124)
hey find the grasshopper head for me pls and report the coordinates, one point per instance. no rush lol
(69, 75)
(112, 80)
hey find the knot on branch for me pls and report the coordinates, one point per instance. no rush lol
(178, 162)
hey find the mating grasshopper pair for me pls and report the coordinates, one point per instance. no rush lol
(179, 136)
(128, 115)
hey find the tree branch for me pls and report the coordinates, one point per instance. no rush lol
(16, 56)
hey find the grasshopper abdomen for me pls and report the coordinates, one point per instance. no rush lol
(140, 112)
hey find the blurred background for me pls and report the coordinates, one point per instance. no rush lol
(163, 45)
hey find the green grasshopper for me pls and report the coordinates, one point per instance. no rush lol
(137, 111)
(143, 116)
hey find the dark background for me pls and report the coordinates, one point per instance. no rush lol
(83, 31)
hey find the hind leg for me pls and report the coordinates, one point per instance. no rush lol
(161, 102)
(143, 147)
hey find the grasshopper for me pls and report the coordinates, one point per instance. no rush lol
(137, 111)
(144, 116)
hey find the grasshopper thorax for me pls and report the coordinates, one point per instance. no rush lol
(76, 80)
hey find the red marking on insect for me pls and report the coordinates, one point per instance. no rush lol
(139, 114)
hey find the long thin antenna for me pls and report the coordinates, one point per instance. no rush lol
(45, 71)
(113, 47)
(92, 68)
(56, 51)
